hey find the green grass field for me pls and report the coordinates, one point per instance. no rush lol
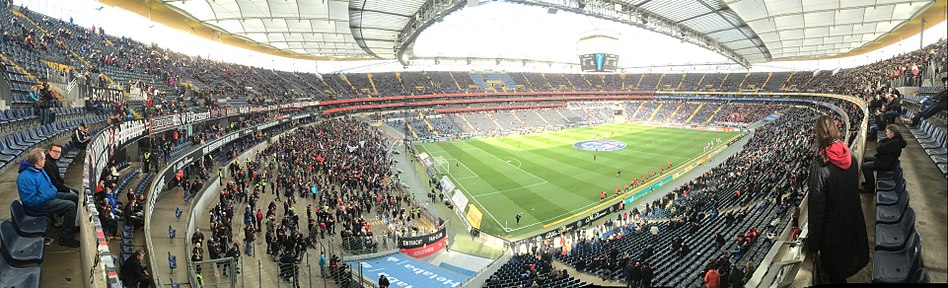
(546, 178)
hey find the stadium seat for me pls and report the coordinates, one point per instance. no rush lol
(890, 197)
(921, 276)
(891, 174)
(892, 236)
(892, 213)
(26, 277)
(890, 181)
(20, 251)
(898, 266)
(26, 224)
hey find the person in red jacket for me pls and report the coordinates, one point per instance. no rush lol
(712, 279)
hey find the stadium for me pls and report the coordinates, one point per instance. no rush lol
(474, 143)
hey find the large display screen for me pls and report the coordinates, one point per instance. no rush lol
(598, 62)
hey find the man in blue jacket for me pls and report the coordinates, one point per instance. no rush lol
(38, 194)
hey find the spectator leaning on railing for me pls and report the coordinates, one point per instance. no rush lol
(40, 195)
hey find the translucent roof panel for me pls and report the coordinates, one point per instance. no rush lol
(800, 29)
(318, 28)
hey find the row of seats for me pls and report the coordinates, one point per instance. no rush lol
(898, 255)
(179, 149)
(69, 154)
(22, 240)
(21, 99)
(128, 229)
(935, 142)
(16, 117)
(15, 144)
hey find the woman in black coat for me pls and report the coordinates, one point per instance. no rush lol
(887, 153)
(837, 229)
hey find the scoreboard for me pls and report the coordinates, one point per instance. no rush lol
(598, 62)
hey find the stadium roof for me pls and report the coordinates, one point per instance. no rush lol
(746, 31)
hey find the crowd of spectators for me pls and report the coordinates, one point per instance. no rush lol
(745, 113)
(769, 170)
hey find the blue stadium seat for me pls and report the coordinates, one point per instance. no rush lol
(27, 224)
(890, 197)
(20, 251)
(889, 183)
(898, 266)
(889, 214)
(892, 236)
(25, 277)
(889, 175)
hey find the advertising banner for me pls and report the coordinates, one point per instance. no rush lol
(421, 246)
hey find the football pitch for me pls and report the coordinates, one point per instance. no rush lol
(555, 175)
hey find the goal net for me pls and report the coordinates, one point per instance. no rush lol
(442, 164)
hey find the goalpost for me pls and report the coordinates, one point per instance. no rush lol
(443, 163)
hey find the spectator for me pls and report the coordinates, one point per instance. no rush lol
(711, 278)
(80, 137)
(940, 104)
(52, 168)
(887, 154)
(133, 273)
(39, 194)
(838, 234)
(383, 281)
(736, 277)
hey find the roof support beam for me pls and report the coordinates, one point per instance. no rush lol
(380, 12)
(613, 10)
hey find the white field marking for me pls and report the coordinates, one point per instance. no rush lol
(511, 189)
(571, 212)
(511, 165)
(518, 162)
(482, 207)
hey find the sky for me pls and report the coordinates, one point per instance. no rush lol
(489, 30)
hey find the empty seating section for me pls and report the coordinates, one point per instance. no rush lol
(935, 142)
(20, 84)
(19, 137)
(898, 247)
